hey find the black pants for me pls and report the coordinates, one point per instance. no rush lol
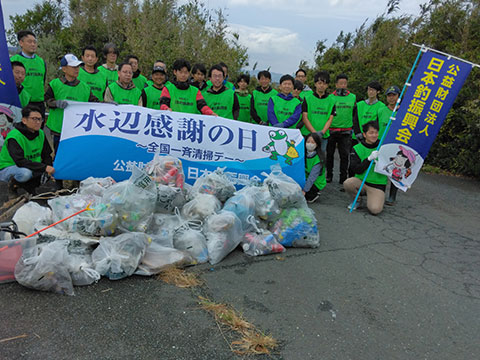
(310, 195)
(342, 140)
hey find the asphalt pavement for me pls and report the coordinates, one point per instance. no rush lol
(401, 285)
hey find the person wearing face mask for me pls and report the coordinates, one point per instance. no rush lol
(179, 95)
(360, 158)
(123, 91)
(314, 168)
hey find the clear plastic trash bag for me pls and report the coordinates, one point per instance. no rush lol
(223, 232)
(215, 183)
(201, 206)
(297, 228)
(284, 190)
(158, 258)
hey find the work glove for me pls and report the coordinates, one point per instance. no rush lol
(61, 104)
(320, 133)
(359, 136)
(373, 155)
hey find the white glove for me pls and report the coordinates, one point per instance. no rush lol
(373, 155)
(61, 104)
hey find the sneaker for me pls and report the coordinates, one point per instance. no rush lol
(390, 201)
(358, 204)
(314, 199)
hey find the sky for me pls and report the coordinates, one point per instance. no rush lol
(280, 33)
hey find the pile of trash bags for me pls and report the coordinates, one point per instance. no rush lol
(155, 220)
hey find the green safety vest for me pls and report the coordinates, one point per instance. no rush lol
(183, 100)
(304, 93)
(367, 112)
(260, 101)
(321, 180)
(221, 104)
(96, 82)
(373, 178)
(61, 91)
(34, 81)
(284, 108)
(383, 117)
(124, 96)
(140, 81)
(319, 111)
(111, 75)
(32, 149)
(24, 97)
(344, 111)
(244, 102)
(153, 97)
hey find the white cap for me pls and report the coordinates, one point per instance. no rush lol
(70, 60)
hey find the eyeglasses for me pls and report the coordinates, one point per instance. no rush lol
(37, 119)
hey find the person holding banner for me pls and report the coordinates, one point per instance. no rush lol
(221, 99)
(384, 114)
(367, 110)
(89, 74)
(35, 67)
(260, 97)
(318, 109)
(26, 155)
(362, 154)
(151, 94)
(123, 91)
(110, 68)
(180, 96)
(284, 110)
(59, 90)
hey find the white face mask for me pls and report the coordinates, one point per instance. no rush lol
(311, 147)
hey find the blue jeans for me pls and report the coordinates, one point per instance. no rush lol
(22, 175)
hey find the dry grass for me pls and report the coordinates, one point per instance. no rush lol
(252, 341)
(179, 278)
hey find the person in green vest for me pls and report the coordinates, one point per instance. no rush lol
(284, 110)
(19, 74)
(297, 89)
(89, 74)
(110, 68)
(260, 97)
(156, 64)
(301, 75)
(222, 100)
(314, 168)
(227, 83)
(26, 154)
(367, 110)
(360, 158)
(35, 67)
(138, 79)
(199, 73)
(59, 90)
(244, 98)
(179, 95)
(341, 128)
(151, 94)
(393, 94)
(318, 109)
(123, 91)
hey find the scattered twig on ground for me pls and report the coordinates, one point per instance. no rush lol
(13, 338)
(179, 277)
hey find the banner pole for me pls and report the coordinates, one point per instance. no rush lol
(446, 54)
(392, 117)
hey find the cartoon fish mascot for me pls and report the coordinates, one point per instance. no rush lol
(400, 164)
(280, 146)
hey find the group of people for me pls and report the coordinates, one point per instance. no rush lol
(327, 121)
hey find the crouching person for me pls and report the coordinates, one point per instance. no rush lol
(314, 168)
(26, 154)
(360, 157)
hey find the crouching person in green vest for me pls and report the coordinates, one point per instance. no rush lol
(360, 158)
(123, 91)
(26, 155)
(314, 168)
(179, 95)
(284, 110)
(59, 90)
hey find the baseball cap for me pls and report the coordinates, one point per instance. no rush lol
(393, 90)
(159, 68)
(70, 60)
